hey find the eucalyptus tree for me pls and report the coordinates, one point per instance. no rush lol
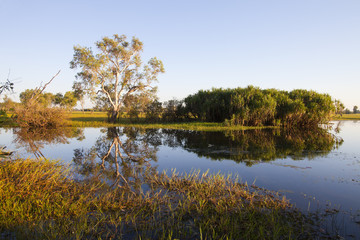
(115, 71)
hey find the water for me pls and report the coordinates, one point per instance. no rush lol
(315, 169)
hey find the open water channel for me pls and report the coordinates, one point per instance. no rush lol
(316, 170)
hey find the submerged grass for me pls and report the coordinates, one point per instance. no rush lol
(39, 199)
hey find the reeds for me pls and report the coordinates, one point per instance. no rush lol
(40, 199)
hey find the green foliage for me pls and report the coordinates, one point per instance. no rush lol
(355, 109)
(339, 107)
(172, 111)
(44, 99)
(153, 111)
(69, 100)
(136, 105)
(8, 104)
(58, 98)
(253, 106)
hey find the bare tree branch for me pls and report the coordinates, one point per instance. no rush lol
(39, 90)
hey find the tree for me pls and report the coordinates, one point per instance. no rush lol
(79, 94)
(58, 98)
(43, 98)
(135, 105)
(171, 110)
(7, 104)
(69, 100)
(339, 107)
(115, 71)
(153, 111)
(355, 109)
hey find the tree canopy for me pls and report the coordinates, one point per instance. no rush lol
(115, 71)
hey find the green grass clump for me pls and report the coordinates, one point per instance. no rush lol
(39, 199)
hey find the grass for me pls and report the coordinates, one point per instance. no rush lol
(99, 119)
(39, 199)
(6, 121)
(347, 117)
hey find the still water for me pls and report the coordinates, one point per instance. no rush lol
(318, 169)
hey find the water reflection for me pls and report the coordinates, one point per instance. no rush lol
(120, 155)
(123, 154)
(35, 139)
(253, 146)
(123, 148)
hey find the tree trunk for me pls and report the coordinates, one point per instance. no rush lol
(113, 117)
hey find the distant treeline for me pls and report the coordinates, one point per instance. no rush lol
(252, 106)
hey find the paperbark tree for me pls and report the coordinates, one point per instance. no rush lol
(115, 71)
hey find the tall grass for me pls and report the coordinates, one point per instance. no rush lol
(40, 199)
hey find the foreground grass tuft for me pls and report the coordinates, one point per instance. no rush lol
(39, 199)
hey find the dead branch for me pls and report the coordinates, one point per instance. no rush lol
(39, 90)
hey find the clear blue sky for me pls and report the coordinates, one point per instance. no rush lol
(309, 44)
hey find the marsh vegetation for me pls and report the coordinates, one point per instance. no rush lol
(41, 200)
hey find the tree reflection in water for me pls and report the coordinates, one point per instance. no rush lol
(124, 155)
(254, 146)
(120, 156)
(34, 139)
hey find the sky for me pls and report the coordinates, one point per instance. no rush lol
(282, 44)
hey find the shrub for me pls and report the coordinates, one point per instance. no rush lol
(36, 115)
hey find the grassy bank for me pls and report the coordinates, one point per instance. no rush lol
(347, 117)
(99, 119)
(39, 200)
